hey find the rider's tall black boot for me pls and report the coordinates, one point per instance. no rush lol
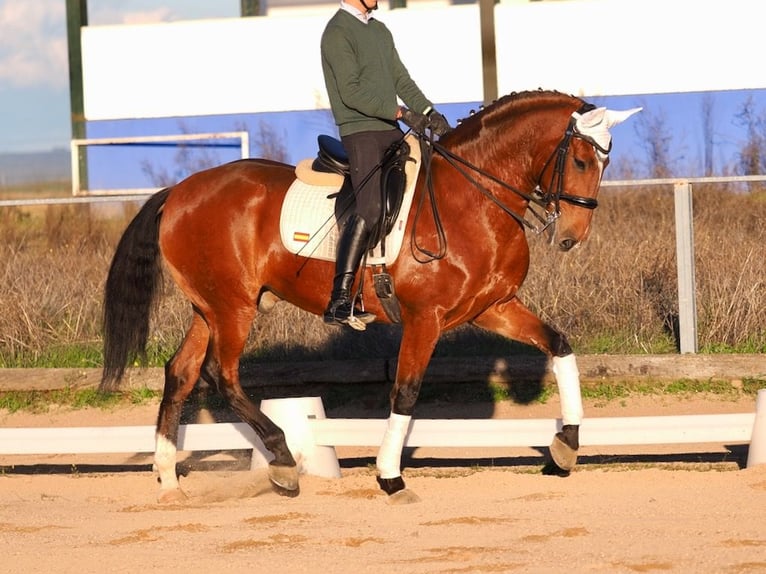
(351, 247)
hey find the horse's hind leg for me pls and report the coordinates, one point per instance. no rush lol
(221, 370)
(283, 471)
(513, 320)
(181, 374)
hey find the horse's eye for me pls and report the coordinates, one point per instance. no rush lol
(579, 164)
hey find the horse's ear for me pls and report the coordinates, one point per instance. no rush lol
(590, 118)
(596, 122)
(613, 117)
(602, 117)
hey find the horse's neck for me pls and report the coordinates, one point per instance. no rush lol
(501, 171)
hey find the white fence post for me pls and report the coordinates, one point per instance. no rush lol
(756, 453)
(687, 297)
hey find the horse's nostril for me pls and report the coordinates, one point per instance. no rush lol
(567, 244)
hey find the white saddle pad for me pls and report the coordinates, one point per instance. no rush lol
(307, 222)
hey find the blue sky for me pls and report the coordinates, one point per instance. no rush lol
(34, 77)
(34, 93)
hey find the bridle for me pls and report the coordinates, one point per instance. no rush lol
(548, 198)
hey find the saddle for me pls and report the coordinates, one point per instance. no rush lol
(332, 160)
(321, 198)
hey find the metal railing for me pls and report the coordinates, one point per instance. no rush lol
(199, 139)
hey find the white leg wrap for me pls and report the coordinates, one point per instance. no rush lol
(568, 380)
(390, 453)
(165, 461)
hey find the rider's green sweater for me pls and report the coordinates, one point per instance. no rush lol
(364, 75)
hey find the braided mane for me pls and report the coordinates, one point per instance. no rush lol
(501, 109)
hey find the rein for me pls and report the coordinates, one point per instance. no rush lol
(537, 197)
(553, 195)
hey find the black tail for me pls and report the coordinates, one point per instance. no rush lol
(132, 285)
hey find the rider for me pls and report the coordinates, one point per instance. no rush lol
(364, 77)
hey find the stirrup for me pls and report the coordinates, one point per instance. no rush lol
(356, 319)
(357, 323)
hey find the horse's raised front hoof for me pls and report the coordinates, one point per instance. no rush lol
(284, 480)
(171, 495)
(405, 496)
(564, 448)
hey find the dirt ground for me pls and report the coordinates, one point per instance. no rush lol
(690, 508)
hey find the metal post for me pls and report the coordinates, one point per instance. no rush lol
(488, 52)
(74, 154)
(251, 8)
(687, 301)
(77, 17)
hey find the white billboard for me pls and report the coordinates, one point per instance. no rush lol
(269, 64)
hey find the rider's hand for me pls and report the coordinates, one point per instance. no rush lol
(438, 123)
(413, 120)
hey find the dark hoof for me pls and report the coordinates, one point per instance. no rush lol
(552, 469)
(284, 492)
(391, 485)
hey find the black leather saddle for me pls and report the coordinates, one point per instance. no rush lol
(332, 158)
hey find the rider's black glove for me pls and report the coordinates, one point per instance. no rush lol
(413, 120)
(438, 123)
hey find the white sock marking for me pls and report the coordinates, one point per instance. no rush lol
(568, 381)
(390, 453)
(165, 461)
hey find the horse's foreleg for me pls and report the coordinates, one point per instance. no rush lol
(566, 443)
(181, 374)
(513, 320)
(414, 353)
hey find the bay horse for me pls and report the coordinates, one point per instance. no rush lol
(217, 232)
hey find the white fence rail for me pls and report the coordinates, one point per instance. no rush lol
(310, 435)
(684, 429)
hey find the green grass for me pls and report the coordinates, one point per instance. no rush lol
(625, 344)
(680, 387)
(40, 401)
(77, 356)
(751, 346)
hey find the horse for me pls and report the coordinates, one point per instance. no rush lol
(217, 233)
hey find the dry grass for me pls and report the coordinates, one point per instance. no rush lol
(616, 294)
